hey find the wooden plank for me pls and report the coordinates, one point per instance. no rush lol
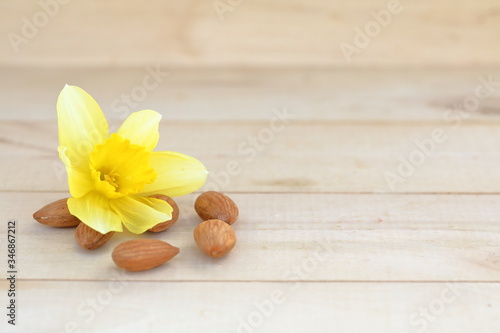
(299, 237)
(229, 94)
(254, 33)
(82, 306)
(301, 157)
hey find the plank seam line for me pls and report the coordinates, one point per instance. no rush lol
(270, 281)
(296, 193)
(488, 122)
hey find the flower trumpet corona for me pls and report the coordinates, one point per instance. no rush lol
(111, 177)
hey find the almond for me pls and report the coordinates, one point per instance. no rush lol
(215, 205)
(56, 214)
(89, 238)
(143, 254)
(215, 237)
(175, 214)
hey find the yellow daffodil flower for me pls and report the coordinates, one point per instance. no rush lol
(110, 178)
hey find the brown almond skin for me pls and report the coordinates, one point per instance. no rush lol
(143, 254)
(175, 214)
(215, 238)
(89, 238)
(215, 205)
(56, 214)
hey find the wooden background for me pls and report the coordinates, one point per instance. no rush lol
(320, 225)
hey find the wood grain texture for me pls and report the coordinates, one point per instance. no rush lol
(255, 33)
(302, 157)
(291, 237)
(360, 95)
(319, 222)
(223, 307)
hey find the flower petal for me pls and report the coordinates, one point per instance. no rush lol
(140, 214)
(94, 210)
(141, 128)
(81, 122)
(177, 174)
(79, 181)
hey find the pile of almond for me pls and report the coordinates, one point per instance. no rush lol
(214, 236)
